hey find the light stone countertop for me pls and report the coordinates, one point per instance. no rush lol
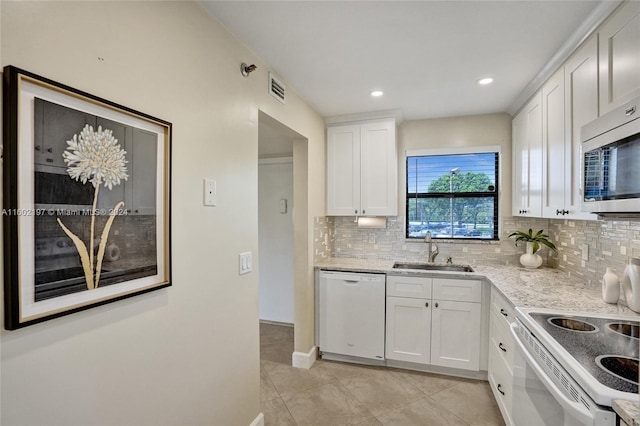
(526, 288)
(629, 411)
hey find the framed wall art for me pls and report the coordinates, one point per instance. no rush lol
(86, 200)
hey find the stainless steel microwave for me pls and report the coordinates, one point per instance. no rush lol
(611, 161)
(55, 190)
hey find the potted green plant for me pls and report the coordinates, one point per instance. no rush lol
(533, 241)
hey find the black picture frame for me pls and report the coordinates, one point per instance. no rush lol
(86, 200)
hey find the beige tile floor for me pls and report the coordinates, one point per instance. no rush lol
(333, 393)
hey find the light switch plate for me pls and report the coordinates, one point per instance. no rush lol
(245, 262)
(210, 196)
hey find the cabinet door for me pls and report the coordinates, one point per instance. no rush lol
(343, 170)
(527, 160)
(520, 163)
(534, 144)
(144, 168)
(455, 334)
(54, 126)
(109, 198)
(408, 329)
(553, 147)
(619, 40)
(379, 169)
(581, 106)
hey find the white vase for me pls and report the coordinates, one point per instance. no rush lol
(631, 286)
(530, 259)
(610, 286)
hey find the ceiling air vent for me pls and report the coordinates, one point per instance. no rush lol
(277, 89)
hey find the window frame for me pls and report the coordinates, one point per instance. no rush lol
(493, 149)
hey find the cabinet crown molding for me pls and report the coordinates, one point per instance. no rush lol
(395, 114)
(599, 14)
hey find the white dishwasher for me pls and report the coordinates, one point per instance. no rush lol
(352, 315)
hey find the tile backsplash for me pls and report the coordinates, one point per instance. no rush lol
(607, 243)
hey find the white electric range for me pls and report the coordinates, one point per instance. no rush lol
(570, 367)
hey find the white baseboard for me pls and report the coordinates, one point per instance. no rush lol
(304, 360)
(258, 421)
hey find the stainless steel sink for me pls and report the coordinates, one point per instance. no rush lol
(433, 267)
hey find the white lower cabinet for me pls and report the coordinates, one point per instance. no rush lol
(408, 329)
(501, 348)
(434, 321)
(455, 334)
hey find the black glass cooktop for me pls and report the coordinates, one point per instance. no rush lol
(606, 348)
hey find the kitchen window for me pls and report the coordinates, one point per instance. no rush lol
(453, 195)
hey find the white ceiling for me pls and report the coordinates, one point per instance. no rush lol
(425, 55)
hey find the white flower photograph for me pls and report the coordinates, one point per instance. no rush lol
(90, 188)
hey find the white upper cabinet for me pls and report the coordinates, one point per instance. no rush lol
(553, 147)
(619, 43)
(343, 170)
(362, 169)
(138, 192)
(569, 101)
(527, 159)
(601, 75)
(581, 107)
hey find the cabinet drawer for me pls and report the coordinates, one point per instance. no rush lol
(457, 290)
(501, 340)
(501, 383)
(502, 307)
(417, 287)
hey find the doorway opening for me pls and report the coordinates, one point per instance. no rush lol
(282, 224)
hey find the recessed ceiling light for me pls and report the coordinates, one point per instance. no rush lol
(377, 93)
(486, 80)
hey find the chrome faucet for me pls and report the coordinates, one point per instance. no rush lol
(432, 251)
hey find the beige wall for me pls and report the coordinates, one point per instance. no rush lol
(457, 132)
(188, 354)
